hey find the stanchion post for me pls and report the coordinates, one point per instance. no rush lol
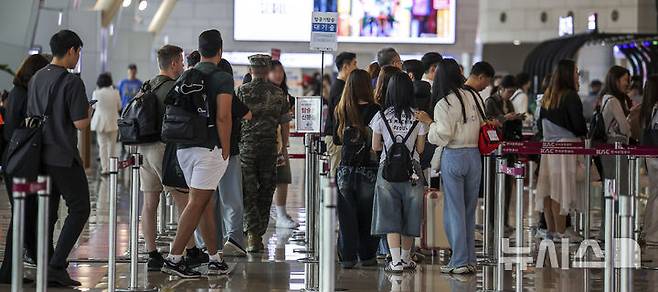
(18, 231)
(500, 222)
(308, 192)
(328, 229)
(609, 272)
(531, 198)
(626, 221)
(618, 190)
(111, 262)
(486, 228)
(42, 244)
(162, 214)
(636, 199)
(171, 210)
(317, 196)
(134, 219)
(588, 190)
(519, 225)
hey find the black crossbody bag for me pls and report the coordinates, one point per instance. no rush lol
(23, 156)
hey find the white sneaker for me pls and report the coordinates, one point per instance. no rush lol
(286, 222)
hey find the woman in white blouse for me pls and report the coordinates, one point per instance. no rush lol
(104, 121)
(458, 116)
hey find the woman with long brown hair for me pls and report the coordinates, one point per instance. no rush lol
(649, 120)
(559, 185)
(357, 171)
(382, 83)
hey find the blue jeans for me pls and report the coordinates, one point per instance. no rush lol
(229, 209)
(461, 173)
(356, 186)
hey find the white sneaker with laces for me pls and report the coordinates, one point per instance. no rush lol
(286, 222)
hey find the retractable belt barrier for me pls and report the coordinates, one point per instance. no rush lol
(628, 224)
(134, 163)
(20, 190)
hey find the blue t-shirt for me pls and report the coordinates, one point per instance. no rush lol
(128, 89)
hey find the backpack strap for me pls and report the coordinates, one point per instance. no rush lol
(388, 126)
(413, 126)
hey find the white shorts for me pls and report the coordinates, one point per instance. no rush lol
(203, 168)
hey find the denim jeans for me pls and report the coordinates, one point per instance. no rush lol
(461, 173)
(356, 186)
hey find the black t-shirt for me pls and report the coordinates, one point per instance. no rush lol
(69, 104)
(218, 83)
(238, 110)
(15, 108)
(335, 92)
(366, 111)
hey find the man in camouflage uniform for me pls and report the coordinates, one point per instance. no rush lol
(258, 147)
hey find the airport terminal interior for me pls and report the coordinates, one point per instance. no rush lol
(329, 145)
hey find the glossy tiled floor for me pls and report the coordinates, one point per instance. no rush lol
(278, 269)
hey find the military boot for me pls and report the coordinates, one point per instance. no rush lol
(254, 243)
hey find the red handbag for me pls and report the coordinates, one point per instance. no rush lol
(489, 139)
(490, 136)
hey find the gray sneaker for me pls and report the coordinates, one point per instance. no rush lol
(457, 270)
(232, 248)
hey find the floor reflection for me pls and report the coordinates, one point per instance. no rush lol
(278, 268)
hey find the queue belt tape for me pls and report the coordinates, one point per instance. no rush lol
(574, 148)
(513, 171)
(29, 188)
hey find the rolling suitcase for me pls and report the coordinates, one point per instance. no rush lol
(433, 236)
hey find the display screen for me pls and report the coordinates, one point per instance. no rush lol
(369, 21)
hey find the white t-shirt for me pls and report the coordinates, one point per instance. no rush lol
(520, 102)
(399, 128)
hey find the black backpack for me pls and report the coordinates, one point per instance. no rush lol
(398, 165)
(597, 130)
(356, 148)
(140, 121)
(186, 119)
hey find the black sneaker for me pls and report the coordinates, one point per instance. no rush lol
(217, 268)
(60, 278)
(180, 269)
(196, 257)
(155, 261)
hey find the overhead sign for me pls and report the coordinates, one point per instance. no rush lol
(308, 114)
(324, 26)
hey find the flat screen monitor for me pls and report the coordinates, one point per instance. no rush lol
(361, 21)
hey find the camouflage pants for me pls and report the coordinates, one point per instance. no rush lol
(258, 184)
